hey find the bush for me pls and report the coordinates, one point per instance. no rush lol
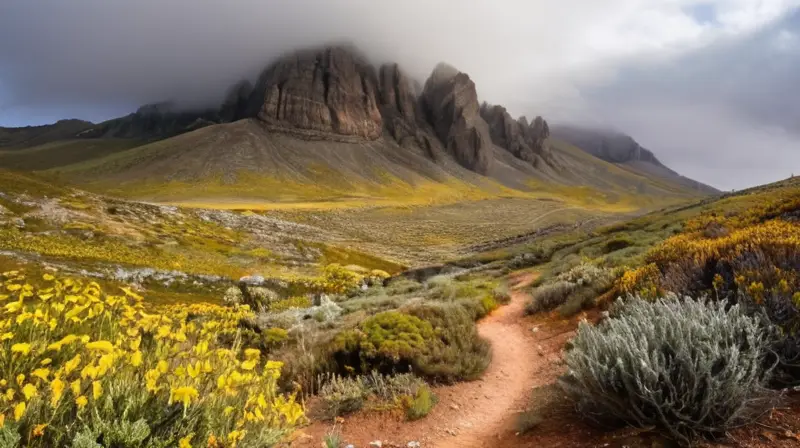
(344, 395)
(501, 294)
(688, 367)
(435, 341)
(387, 342)
(572, 290)
(781, 312)
(548, 297)
(341, 396)
(458, 352)
(420, 404)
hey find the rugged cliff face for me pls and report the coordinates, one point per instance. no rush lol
(333, 93)
(526, 141)
(451, 105)
(331, 90)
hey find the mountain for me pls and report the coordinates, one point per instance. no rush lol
(623, 150)
(29, 136)
(325, 123)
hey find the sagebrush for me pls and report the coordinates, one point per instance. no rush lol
(690, 367)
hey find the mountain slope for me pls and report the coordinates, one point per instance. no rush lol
(324, 123)
(29, 136)
(624, 151)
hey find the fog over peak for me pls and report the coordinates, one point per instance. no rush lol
(708, 85)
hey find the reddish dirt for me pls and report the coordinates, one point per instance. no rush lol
(526, 363)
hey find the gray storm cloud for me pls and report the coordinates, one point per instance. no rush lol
(676, 82)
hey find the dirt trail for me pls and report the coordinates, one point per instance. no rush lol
(471, 414)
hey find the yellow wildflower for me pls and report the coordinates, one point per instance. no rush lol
(13, 307)
(72, 364)
(136, 358)
(81, 402)
(163, 331)
(56, 391)
(29, 390)
(184, 394)
(48, 277)
(38, 430)
(9, 394)
(20, 378)
(41, 373)
(102, 346)
(68, 339)
(212, 441)
(227, 411)
(97, 390)
(186, 441)
(252, 353)
(46, 362)
(162, 366)
(13, 288)
(6, 336)
(89, 371)
(22, 348)
(19, 411)
(75, 386)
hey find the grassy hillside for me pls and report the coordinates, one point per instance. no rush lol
(245, 165)
(61, 153)
(29, 136)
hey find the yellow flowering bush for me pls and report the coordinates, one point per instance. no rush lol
(80, 366)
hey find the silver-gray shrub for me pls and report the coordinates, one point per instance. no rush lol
(690, 367)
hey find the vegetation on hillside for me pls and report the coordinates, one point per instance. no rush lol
(738, 257)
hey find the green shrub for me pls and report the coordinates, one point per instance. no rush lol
(387, 342)
(436, 341)
(688, 367)
(458, 352)
(571, 291)
(548, 297)
(501, 294)
(420, 404)
(341, 396)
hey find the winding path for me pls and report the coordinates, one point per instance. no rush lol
(470, 414)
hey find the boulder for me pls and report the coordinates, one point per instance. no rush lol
(332, 90)
(451, 106)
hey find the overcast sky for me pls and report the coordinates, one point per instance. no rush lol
(710, 86)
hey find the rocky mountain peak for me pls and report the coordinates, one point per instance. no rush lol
(331, 90)
(525, 141)
(451, 104)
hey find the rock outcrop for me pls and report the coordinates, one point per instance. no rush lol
(526, 141)
(451, 106)
(331, 90)
(399, 106)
